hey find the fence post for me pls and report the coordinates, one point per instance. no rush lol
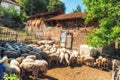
(16, 37)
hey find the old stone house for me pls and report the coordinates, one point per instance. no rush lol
(68, 29)
(36, 23)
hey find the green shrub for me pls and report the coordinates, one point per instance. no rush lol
(11, 77)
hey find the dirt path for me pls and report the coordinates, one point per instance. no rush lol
(77, 73)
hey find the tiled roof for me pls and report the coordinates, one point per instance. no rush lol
(68, 16)
(55, 12)
(11, 2)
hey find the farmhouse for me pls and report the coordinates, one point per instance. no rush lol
(35, 24)
(68, 29)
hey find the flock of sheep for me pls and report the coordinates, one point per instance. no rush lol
(38, 56)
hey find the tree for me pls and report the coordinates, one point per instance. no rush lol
(107, 12)
(56, 4)
(78, 9)
(10, 12)
(32, 7)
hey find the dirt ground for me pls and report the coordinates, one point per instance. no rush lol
(76, 73)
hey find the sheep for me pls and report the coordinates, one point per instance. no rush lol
(73, 57)
(29, 67)
(16, 47)
(44, 54)
(53, 57)
(80, 60)
(34, 66)
(2, 49)
(15, 67)
(25, 54)
(38, 56)
(8, 46)
(11, 53)
(53, 50)
(94, 53)
(62, 49)
(89, 61)
(48, 46)
(99, 61)
(58, 51)
(115, 64)
(115, 69)
(14, 62)
(5, 59)
(28, 60)
(43, 66)
(67, 58)
(20, 59)
(62, 57)
(103, 62)
(41, 47)
(68, 51)
(31, 57)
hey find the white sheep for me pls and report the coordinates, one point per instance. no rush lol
(15, 67)
(67, 58)
(43, 66)
(28, 60)
(62, 57)
(20, 59)
(15, 70)
(53, 57)
(41, 47)
(29, 67)
(14, 62)
(31, 57)
(73, 57)
(89, 61)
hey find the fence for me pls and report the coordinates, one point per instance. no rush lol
(14, 36)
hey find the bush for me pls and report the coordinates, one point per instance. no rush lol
(11, 77)
(11, 12)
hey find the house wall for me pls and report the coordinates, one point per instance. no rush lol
(53, 29)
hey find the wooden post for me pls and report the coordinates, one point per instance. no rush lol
(117, 44)
(16, 37)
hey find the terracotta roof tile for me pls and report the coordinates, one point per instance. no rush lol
(68, 16)
(55, 12)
